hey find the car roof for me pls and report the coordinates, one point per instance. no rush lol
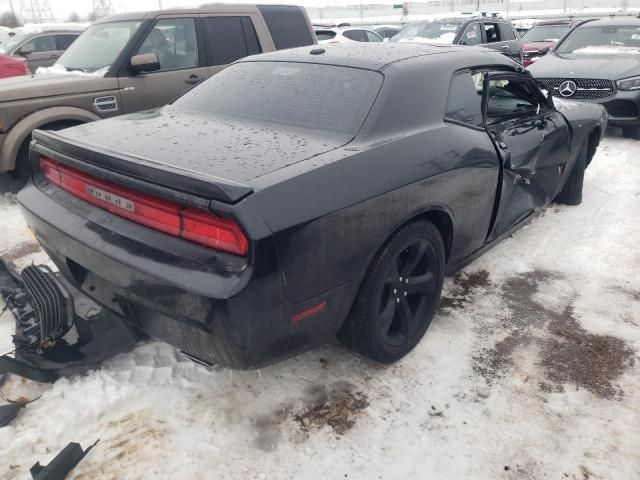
(340, 29)
(374, 56)
(555, 22)
(613, 22)
(206, 8)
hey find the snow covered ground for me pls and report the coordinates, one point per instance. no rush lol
(531, 369)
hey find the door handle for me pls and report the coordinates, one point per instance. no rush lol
(193, 80)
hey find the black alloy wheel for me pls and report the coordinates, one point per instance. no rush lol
(399, 294)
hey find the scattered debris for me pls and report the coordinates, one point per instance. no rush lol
(483, 391)
(339, 413)
(9, 412)
(62, 464)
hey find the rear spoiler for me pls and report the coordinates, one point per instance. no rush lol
(140, 168)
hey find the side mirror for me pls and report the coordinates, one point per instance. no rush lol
(144, 62)
(23, 52)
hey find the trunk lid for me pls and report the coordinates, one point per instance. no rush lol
(208, 155)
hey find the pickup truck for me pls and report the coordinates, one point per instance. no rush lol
(137, 61)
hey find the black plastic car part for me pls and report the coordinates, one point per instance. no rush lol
(9, 412)
(58, 328)
(62, 464)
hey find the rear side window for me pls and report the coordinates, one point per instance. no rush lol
(45, 43)
(464, 103)
(63, 41)
(507, 32)
(288, 26)
(303, 95)
(230, 38)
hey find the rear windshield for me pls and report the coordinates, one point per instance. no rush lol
(602, 40)
(319, 97)
(546, 33)
(433, 32)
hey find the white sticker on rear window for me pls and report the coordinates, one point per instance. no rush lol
(471, 34)
(635, 36)
(285, 71)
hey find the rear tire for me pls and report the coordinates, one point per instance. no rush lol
(21, 169)
(398, 296)
(571, 193)
(631, 132)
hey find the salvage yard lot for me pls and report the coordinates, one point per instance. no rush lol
(530, 369)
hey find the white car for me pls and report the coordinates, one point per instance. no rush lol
(346, 34)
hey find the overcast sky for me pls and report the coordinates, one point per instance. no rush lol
(63, 8)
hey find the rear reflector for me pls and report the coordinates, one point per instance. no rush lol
(197, 226)
(298, 317)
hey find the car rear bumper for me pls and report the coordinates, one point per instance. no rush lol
(237, 317)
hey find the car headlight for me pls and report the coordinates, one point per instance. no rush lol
(632, 83)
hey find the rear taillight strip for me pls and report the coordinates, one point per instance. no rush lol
(165, 216)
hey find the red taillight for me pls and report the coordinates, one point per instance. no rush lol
(148, 210)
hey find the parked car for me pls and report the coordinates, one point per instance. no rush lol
(346, 34)
(598, 62)
(491, 31)
(538, 40)
(5, 34)
(386, 31)
(13, 66)
(41, 48)
(235, 223)
(134, 61)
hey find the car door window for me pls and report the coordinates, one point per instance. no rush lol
(472, 35)
(508, 98)
(63, 41)
(356, 35)
(373, 37)
(44, 43)
(230, 38)
(506, 32)
(492, 32)
(464, 103)
(174, 41)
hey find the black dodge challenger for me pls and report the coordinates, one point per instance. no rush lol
(304, 193)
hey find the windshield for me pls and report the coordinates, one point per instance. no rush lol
(319, 97)
(432, 32)
(12, 43)
(97, 48)
(546, 33)
(603, 40)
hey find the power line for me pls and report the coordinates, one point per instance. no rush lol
(36, 11)
(102, 8)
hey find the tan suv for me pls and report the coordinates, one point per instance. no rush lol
(131, 62)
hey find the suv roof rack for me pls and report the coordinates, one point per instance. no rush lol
(481, 14)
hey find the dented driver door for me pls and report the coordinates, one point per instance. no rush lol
(533, 142)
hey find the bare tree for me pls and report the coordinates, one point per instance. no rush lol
(74, 17)
(8, 19)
